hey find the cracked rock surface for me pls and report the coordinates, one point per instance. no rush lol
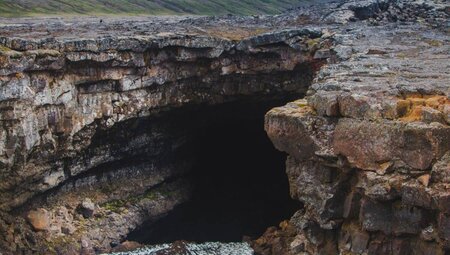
(94, 139)
(112, 119)
(369, 145)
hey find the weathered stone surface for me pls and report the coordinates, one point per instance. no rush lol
(82, 116)
(353, 239)
(93, 85)
(322, 189)
(86, 118)
(374, 144)
(387, 100)
(126, 246)
(444, 229)
(39, 219)
(281, 240)
(87, 208)
(441, 170)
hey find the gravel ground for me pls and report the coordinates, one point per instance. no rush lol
(181, 248)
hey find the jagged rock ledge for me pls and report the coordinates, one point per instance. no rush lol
(369, 147)
(97, 123)
(89, 118)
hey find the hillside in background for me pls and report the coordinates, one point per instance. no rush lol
(11, 8)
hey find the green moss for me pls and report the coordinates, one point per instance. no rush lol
(44, 53)
(62, 245)
(301, 103)
(119, 205)
(401, 55)
(151, 195)
(4, 48)
(115, 205)
(313, 43)
(434, 43)
(9, 52)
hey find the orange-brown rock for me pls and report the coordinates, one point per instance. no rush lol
(371, 160)
(39, 219)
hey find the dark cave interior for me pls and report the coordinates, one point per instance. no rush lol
(239, 183)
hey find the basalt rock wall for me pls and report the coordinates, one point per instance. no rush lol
(54, 98)
(98, 119)
(98, 122)
(369, 148)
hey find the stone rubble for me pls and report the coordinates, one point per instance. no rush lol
(183, 248)
(87, 151)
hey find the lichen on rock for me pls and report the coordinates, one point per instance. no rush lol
(97, 124)
(381, 121)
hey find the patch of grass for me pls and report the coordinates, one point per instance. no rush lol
(12, 8)
(115, 205)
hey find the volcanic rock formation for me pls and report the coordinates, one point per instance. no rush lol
(99, 123)
(369, 147)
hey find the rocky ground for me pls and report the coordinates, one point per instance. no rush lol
(107, 119)
(87, 153)
(371, 148)
(191, 248)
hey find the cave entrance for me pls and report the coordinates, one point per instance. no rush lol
(239, 184)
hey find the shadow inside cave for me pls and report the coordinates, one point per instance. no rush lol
(239, 187)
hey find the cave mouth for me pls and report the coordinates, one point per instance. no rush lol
(240, 187)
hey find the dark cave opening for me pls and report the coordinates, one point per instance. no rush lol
(240, 187)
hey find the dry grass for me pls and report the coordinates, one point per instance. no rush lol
(12, 8)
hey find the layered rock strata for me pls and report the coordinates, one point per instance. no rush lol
(98, 123)
(97, 118)
(369, 147)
